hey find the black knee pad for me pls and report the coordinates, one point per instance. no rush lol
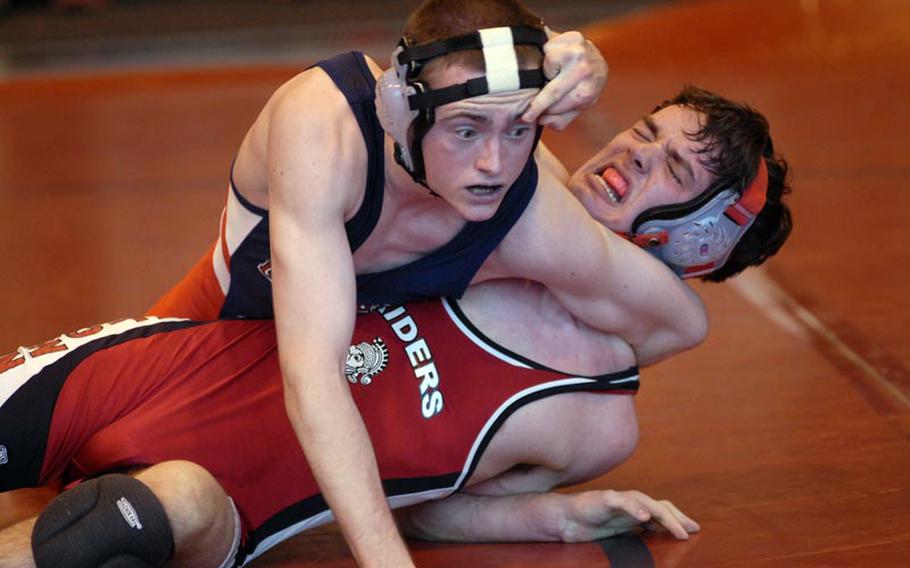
(114, 521)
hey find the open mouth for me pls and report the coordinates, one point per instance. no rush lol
(611, 182)
(483, 190)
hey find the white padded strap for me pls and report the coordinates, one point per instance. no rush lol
(500, 60)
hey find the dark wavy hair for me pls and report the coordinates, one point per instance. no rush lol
(734, 137)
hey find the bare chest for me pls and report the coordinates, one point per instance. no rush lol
(404, 234)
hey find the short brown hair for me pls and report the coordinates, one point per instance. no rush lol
(439, 19)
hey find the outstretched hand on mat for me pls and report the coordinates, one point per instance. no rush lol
(594, 515)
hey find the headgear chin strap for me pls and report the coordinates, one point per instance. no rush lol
(405, 106)
(697, 237)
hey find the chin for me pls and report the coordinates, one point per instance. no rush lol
(579, 189)
(601, 215)
(478, 214)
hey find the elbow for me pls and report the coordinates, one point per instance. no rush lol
(308, 394)
(691, 329)
(697, 330)
(665, 342)
(409, 525)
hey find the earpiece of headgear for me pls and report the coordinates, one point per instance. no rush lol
(697, 237)
(395, 115)
(406, 106)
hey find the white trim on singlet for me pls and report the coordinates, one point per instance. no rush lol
(497, 351)
(626, 380)
(240, 221)
(13, 379)
(479, 341)
(486, 432)
(396, 501)
(237, 222)
(484, 435)
(231, 559)
(219, 265)
(407, 499)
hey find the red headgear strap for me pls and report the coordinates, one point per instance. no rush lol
(752, 199)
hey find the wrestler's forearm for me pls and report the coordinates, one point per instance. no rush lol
(565, 517)
(341, 458)
(529, 517)
(638, 299)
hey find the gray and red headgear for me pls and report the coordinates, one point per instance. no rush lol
(696, 237)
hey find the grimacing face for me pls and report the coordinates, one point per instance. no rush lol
(477, 147)
(652, 163)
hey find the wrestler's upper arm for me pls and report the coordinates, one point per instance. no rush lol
(546, 159)
(314, 145)
(314, 149)
(600, 278)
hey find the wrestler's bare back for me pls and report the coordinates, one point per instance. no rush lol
(569, 437)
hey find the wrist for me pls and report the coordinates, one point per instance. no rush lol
(552, 516)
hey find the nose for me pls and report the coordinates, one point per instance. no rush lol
(489, 160)
(643, 155)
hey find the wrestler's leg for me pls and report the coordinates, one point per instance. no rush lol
(197, 296)
(15, 545)
(204, 532)
(200, 514)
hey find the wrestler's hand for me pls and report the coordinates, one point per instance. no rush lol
(594, 515)
(577, 73)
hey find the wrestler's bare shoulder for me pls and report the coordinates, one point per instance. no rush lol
(309, 93)
(307, 119)
(525, 317)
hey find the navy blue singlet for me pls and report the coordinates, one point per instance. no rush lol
(445, 272)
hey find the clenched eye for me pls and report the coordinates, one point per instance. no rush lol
(673, 173)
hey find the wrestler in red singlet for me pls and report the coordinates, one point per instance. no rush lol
(141, 392)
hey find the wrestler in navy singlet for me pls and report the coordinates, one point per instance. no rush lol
(244, 270)
(141, 392)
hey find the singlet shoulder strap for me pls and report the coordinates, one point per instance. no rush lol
(478, 239)
(351, 74)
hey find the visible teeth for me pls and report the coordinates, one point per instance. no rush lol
(614, 197)
(483, 190)
(617, 182)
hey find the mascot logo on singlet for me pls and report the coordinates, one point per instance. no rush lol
(4, 458)
(265, 268)
(365, 361)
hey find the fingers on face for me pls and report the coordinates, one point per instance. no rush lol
(550, 94)
(558, 122)
(569, 93)
(577, 71)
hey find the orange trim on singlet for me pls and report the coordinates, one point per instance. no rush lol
(222, 230)
(198, 296)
